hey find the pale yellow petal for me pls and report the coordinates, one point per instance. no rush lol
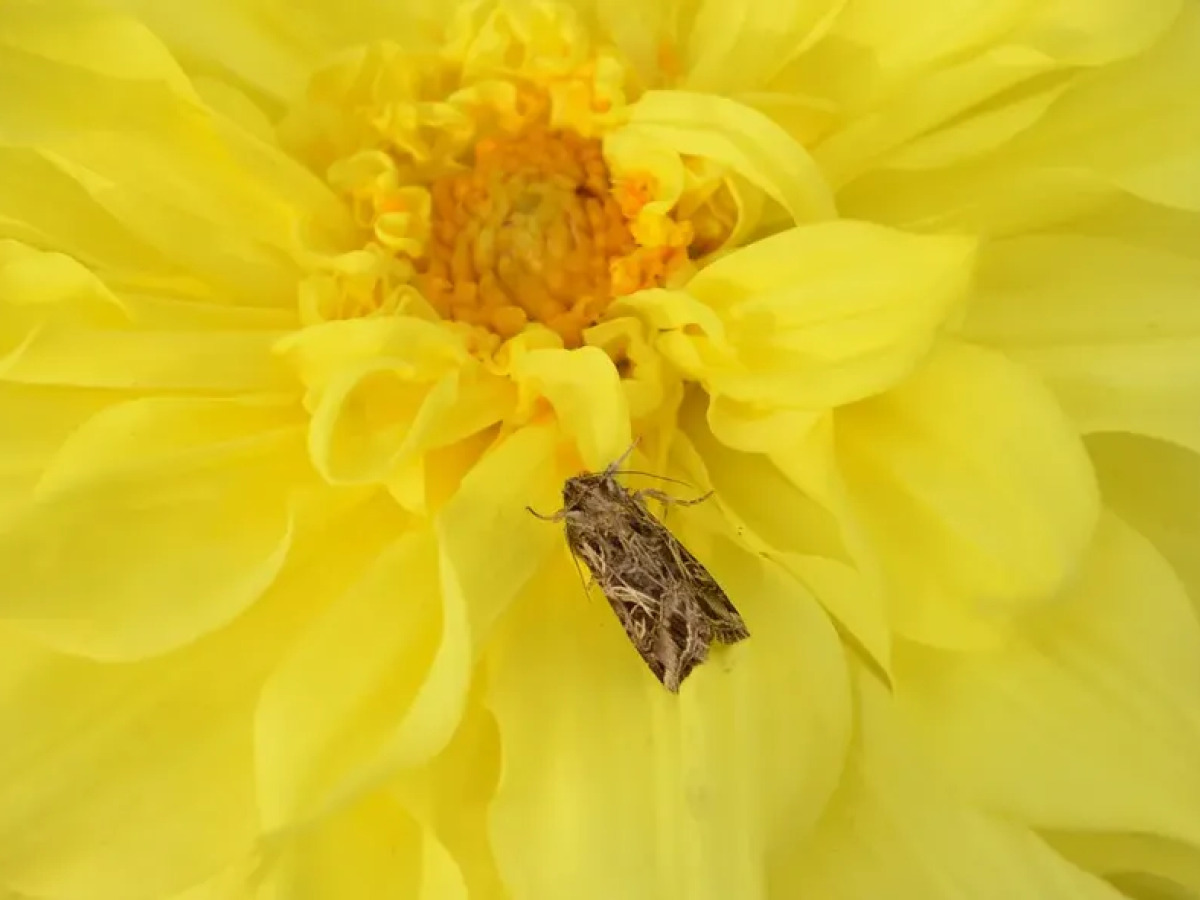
(897, 828)
(348, 681)
(775, 518)
(134, 781)
(451, 795)
(1155, 487)
(584, 389)
(378, 682)
(118, 751)
(1136, 124)
(181, 509)
(1142, 866)
(976, 489)
(1113, 328)
(740, 137)
(1090, 720)
(149, 155)
(372, 848)
(612, 787)
(740, 46)
(46, 416)
(60, 325)
(1131, 127)
(272, 45)
(805, 321)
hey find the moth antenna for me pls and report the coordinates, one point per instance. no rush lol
(651, 475)
(616, 464)
(554, 517)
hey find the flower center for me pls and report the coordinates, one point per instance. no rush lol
(531, 232)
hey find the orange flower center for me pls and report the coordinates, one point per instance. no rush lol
(533, 232)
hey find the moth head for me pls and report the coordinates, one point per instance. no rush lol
(578, 490)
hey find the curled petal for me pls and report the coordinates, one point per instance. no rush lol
(1089, 721)
(814, 317)
(139, 500)
(977, 490)
(729, 762)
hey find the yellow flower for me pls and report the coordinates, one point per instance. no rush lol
(302, 305)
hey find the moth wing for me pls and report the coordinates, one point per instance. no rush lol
(727, 624)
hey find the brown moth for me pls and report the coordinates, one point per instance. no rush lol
(671, 608)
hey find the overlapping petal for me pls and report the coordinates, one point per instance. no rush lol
(1155, 487)
(1112, 327)
(157, 756)
(797, 321)
(976, 490)
(1089, 721)
(611, 786)
(168, 475)
(897, 828)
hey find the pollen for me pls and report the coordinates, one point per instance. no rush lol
(534, 231)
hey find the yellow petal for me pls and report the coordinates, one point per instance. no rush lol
(1134, 124)
(451, 796)
(976, 489)
(666, 796)
(1139, 865)
(1112, 327)
(47, 416)
(378, 682)
(179, 508)
(150, 156)
(271, 45)
(740, 46)
(82, 739)
(1130, 127)
(896, 828)
(774, 518)
(60, 325)
(373, 848)
(740, 137)
(1090, 721)
(817, 316)
(156, 756)
(346, 684)
(1155, 487)
(584, 389)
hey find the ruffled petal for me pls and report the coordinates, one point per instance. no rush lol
(1112, 327)
(143, 151)
(740, 46)
(1090, 720)
(1130, 127)
(1139, 865)
(373, 848)
(155, 756)
(612, 787)
(84, 741)
(777, 519)
(325, 712)
(739, 137)
(1155, 487)
(813, 317)
(270, 46)
(60, 325)
(977, 490)
(584, 389)
(895, 828)
(332, 726)
(141, 500)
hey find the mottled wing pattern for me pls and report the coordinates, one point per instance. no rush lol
(669, 605)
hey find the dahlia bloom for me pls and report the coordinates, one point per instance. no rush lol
(303, 305)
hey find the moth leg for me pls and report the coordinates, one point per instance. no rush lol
(554, 517)
(666, 499)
